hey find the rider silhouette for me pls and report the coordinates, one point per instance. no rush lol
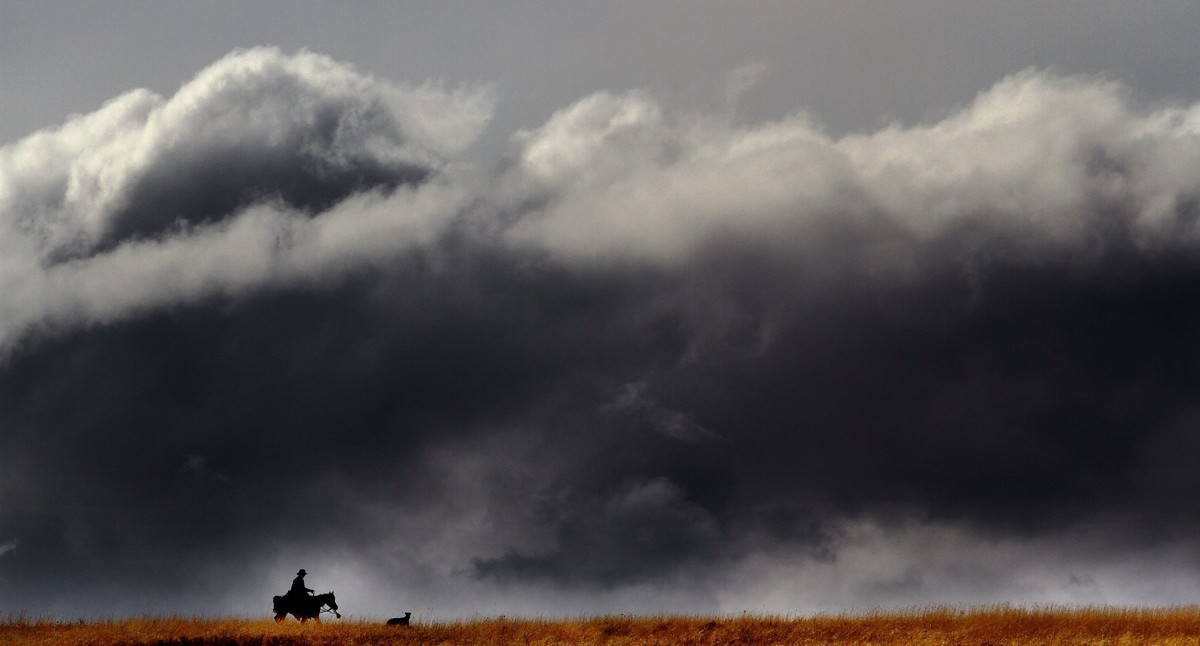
(298, 589)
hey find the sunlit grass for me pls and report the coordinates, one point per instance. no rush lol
(940, 625)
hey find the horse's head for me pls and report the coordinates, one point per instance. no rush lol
(329, 600)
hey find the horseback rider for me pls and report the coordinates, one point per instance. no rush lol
(301, 603)
(298, 589)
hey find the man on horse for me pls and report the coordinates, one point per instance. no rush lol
(298, 590)
(299, 601)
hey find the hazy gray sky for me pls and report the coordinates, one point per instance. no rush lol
(608, 307)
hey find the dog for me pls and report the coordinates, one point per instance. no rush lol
(399, 621)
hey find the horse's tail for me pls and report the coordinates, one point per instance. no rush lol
(277, 604)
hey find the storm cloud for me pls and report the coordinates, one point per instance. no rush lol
(651, 360)
(148, 200)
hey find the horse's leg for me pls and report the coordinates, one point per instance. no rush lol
(279, 618)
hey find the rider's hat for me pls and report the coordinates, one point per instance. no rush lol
(301, 572)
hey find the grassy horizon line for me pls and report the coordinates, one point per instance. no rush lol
(919, 626)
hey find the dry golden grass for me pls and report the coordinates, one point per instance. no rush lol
(993, 626)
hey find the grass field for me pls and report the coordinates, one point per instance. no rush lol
(992, 626)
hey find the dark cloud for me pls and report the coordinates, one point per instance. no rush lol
(651, 362)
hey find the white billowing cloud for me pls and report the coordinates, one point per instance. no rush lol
(268, 167)
(261, 245)
(1038, 150)
(624, 182)
(151, 200)
(596, 142)
(1038, 153)
(253, 112)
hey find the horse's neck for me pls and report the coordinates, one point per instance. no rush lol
(324, 598)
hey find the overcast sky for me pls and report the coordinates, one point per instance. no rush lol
(562, 308)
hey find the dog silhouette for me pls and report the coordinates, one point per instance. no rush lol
(399, 621)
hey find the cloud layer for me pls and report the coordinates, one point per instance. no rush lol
(151, 201)
(651, 361)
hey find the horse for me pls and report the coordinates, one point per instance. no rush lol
(304, 608)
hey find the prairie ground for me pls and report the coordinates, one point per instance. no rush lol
(990, 626)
